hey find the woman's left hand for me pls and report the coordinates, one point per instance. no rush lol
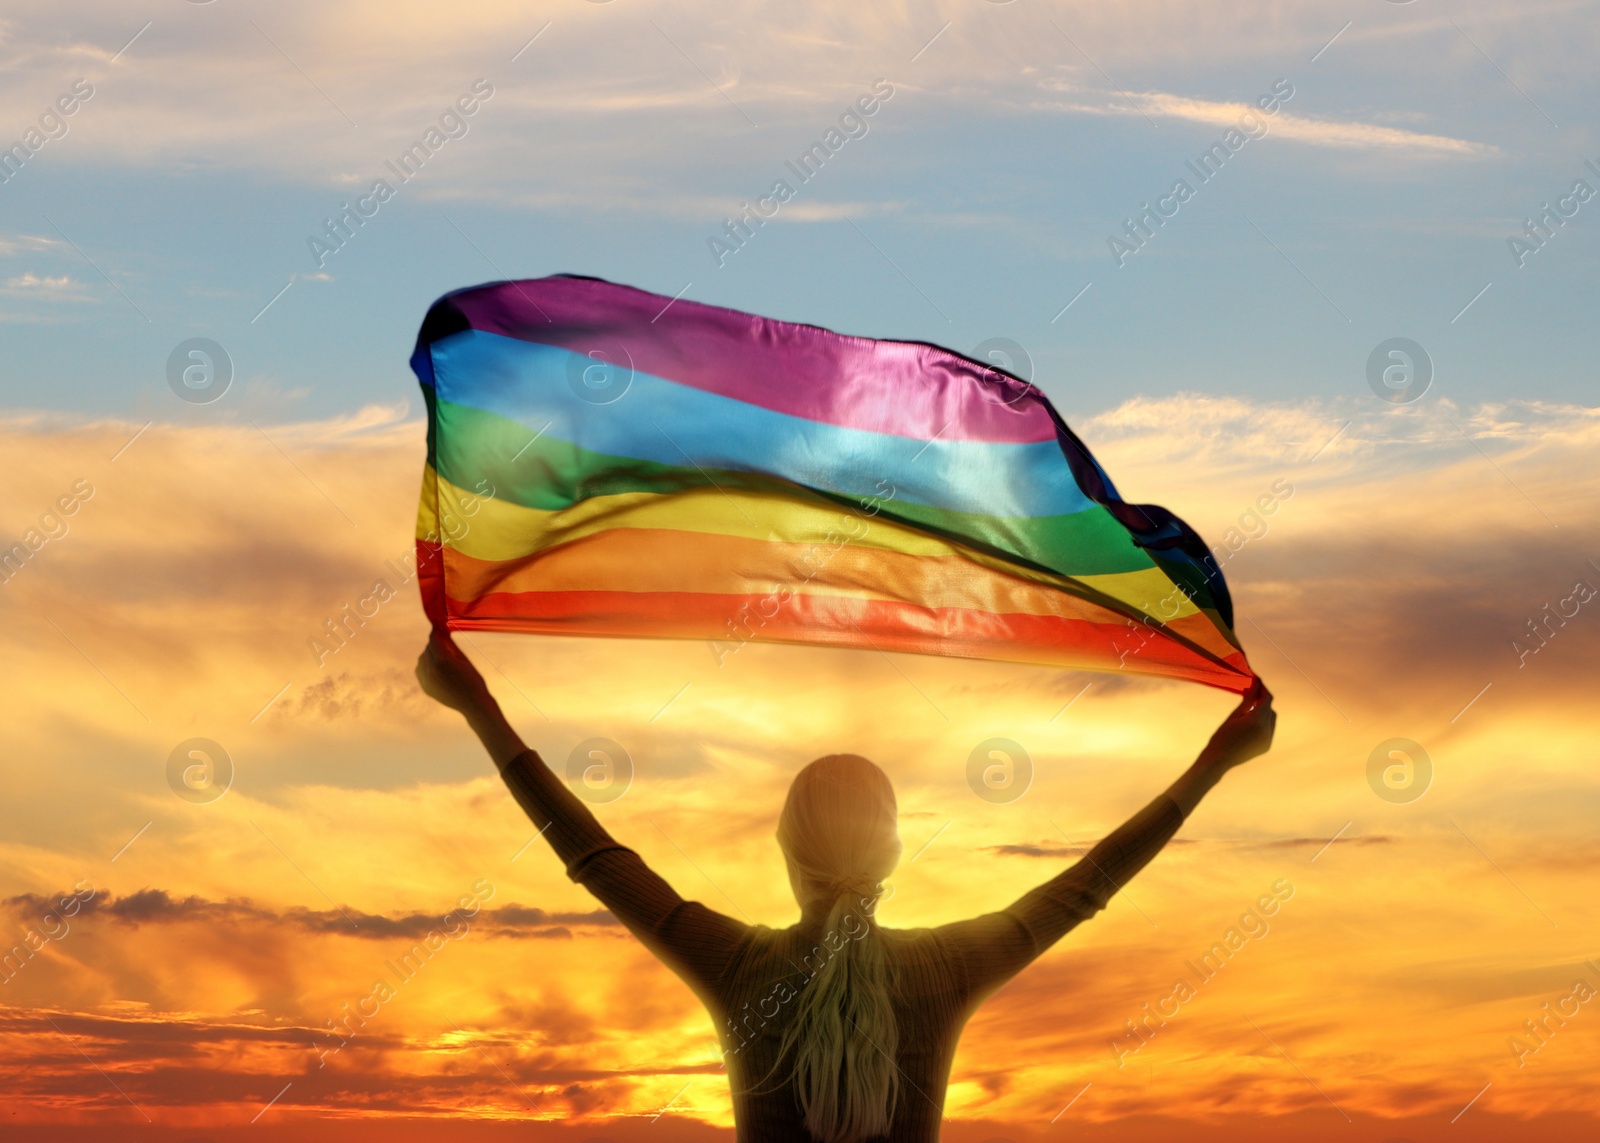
(448, 676)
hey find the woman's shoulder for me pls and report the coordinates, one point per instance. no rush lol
(919, 944)
(919, 935)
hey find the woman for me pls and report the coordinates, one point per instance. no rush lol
(834, 1030)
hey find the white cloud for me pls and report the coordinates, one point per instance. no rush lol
(1320, 132)
(46, 287)
(1235, 431)
(32, 281)
(14, 244)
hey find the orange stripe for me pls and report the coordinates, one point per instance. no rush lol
(670, 561)
(699, 563)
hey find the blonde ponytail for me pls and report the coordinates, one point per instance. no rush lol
(838, 832)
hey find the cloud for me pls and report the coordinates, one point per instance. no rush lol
(157, 907)
(14, 244)
(833, 211)
(31, 281)
(1055, 852)
(1326, 133)
(1284, 124)
(46, 288)
(1015, 850)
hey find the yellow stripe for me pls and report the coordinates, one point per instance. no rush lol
(494, 530)
(427, 508)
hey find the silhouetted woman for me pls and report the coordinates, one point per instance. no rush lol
(835, 1030)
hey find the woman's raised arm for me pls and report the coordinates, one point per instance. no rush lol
(1244, 734)
(695, 941)
(996, 946)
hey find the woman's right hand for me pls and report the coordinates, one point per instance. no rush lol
(1247, 732)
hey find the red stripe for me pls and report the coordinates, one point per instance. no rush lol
(842, 621)
(430, 581)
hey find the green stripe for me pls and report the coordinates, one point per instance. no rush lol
(472, 446)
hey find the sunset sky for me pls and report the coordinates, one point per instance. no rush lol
(185, 989)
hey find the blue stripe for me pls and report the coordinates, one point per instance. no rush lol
(660, 420)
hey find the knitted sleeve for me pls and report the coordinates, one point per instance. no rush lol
(996, 946)
(695, 942)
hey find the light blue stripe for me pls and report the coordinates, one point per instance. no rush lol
(660, 420)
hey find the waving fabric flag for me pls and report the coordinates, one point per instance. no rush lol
(605, 461)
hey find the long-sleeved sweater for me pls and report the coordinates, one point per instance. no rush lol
(748, 975)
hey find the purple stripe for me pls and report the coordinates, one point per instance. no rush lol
(903, 388)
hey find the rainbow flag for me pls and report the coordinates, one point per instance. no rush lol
(605, 461)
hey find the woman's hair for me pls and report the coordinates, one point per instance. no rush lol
(838, 832)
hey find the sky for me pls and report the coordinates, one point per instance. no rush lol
(193, 946)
